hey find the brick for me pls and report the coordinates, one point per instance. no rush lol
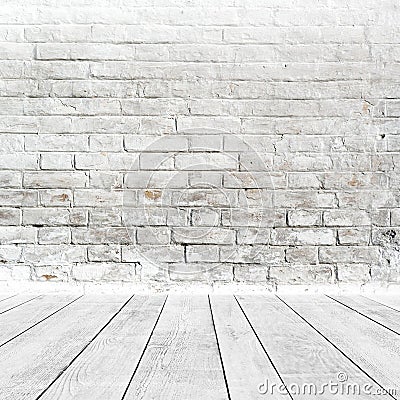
(53, 254)
(206, 162)
(104, 272)
(156, 179)
(202, 253)
(253, 218)
(108, 217)
(301, 255)
(354, 273)
(248, 235)
(105, 180)
(200, 235)
(201, 272)
(302, 275)
(105, 143)
(254, 180)
(147, 143)
(349, 254)
(15, 272)
(19, 161)
(305, 199)
(50, 142)
(304, 218)
(252, 254)
(54, 216)
(156, 216)
(59, 179)
(99, 235)
(153, 235)
(10, 179)
(104, 253)
(251, 273)
(10, 253)
(57, 161)
(303, 236)
(10, 216)
(51, 273)
(17, 234)
(205, 217)
(153, 253)
(55, 197)
(354, 236)
(50, 235)
(204, 198)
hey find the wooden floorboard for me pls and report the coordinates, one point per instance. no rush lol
(34, 359)
(198, 347)
(182, 359)
(300, 354)
(104, 368)
(29, 314)
(246, 364)
(376, 312)
(372, 347)
(390, 301)
(11, 303)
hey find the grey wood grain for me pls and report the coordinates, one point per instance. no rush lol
(33, 360)
(182, 359)
(301, 355)
(104, 368)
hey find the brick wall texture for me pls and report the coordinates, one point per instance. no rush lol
(207, 141)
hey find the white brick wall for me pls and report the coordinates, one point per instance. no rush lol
(244, 141)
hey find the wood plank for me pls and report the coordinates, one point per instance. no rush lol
(29, 314)
(33, 360)
(182, 359)
(246, 364)
(13, 302)
(372, 310)
(104, 368)
(390, 301)
(373, 348)
(301, 355)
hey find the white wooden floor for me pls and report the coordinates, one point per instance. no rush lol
(199, 347)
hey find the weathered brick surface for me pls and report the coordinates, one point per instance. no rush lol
(174, 141)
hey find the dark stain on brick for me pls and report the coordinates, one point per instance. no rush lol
(49, 277)
(152, 194)
(354, 182)
(63, 197)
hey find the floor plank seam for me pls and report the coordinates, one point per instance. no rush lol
(382, 304)
(8, 298)
(337, 348)
(364, 315)
(264, 349)
(24, 302)
(144, 350)
(37, 323)
(84, 348)
(219, 349)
